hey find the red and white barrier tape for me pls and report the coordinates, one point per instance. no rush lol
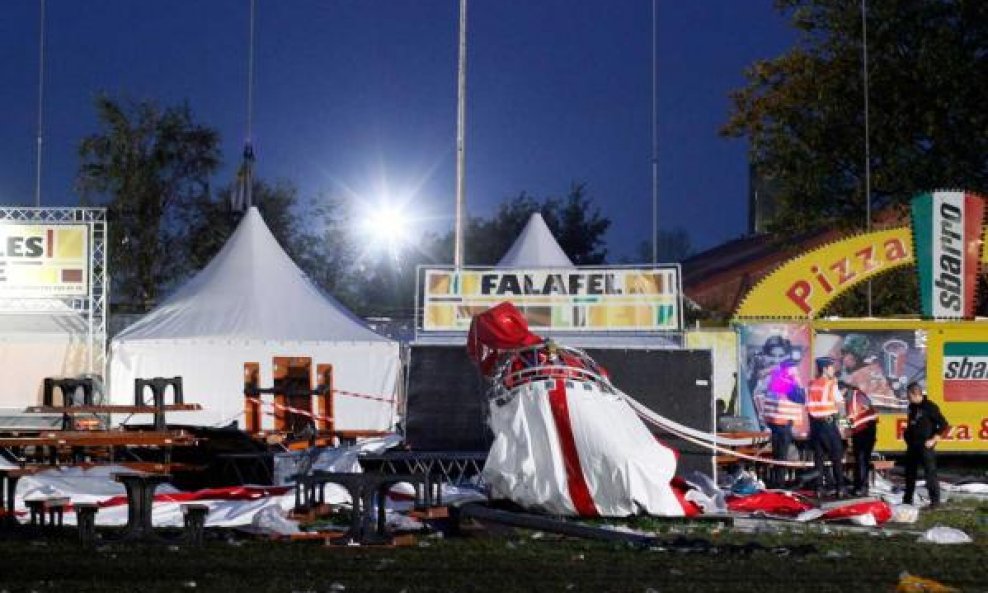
(284, 408)
(377, 398)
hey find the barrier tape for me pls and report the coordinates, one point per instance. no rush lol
(284, 408)
(377, 398)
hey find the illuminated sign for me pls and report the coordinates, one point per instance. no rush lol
(43, 261)
(576, 299)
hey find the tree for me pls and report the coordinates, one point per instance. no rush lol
(672, 246)
(803, 111)
(147, 165)
(387, 288)
(574, 221)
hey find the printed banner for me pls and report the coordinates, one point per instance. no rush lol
(578, 299)
(965, 372)
(947, 233)
(762, 350)
(881, 363)
(44, 261)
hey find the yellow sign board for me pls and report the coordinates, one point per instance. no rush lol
(802, 287)
(953, 367)
(44, 261)
(574, 299)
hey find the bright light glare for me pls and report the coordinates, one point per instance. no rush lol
(387, 226)
(387, 229)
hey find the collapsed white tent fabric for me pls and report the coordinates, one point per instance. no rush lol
(35, 346)
(251, 304)
(565, 448)
(535, 247)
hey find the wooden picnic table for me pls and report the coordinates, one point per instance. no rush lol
(112, 409)
(140, 502)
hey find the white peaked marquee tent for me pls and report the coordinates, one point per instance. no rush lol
(535, 247)
(251, 304)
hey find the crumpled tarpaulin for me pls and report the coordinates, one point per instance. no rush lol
(770, 502)
(562, 444)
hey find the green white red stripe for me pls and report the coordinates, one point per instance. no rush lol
(965, 372)
(947, 233)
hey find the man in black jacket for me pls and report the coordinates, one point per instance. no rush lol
(923, 428)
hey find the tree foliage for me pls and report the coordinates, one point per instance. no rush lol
(672, 246)
(803, 112)
(148, 165)
(387, 287)
(574, 220)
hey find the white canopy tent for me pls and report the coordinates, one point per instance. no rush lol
(535, 247)
(251, 304)
(35, 346)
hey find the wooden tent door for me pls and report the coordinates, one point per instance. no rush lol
(293, 388)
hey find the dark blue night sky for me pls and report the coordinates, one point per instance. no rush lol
(358, 97)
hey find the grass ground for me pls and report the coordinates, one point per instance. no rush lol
(513, 561)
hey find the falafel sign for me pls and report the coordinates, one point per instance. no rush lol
(43, 261)
(947, 231)
(575, 299)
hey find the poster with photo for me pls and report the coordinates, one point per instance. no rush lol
(762, 349)
(881, 363)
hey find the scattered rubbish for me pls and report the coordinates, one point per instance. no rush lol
(271, 520)
(944, 535)
(746, 483)
(904, 513)
(837, 554)
(913, 584)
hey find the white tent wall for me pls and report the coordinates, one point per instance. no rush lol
(251, 303)
(33, 347)
(212, 374)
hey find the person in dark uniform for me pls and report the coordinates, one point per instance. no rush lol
(923, 427)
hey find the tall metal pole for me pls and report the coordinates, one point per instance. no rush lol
(655, 137)
(461, 117)
(41, 101)
(867, 139)
(250, 76)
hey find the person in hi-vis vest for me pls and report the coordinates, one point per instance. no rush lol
(863, 419)
(781, 409)
(822, 406)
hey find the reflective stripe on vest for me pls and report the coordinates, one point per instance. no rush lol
(860, 412)
(780, 411)
(821, 401)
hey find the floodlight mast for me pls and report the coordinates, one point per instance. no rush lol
(461, 116)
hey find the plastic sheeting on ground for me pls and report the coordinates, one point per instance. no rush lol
(576, 451)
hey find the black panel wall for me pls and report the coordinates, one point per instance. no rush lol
(446, 407)
(674, 383)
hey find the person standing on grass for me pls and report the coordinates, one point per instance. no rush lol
(923, 427)
(864, 428)
(821, 403)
